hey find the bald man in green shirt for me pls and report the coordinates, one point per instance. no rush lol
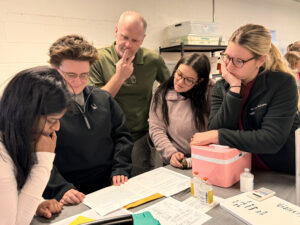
(127, 71)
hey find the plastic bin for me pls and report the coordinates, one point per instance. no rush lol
(192, 28)
(222, 165)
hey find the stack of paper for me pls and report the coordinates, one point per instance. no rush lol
(172, 212)
(160, 180)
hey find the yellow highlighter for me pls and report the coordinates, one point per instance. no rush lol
(142, 201)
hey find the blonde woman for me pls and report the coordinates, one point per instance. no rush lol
(254, 108)
(294, 46)
(293, 58)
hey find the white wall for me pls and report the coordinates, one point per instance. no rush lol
(28, 27)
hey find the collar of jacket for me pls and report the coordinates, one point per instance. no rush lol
(260, 84)
(87, 91)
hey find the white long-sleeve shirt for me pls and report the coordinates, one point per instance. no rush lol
(19, 207)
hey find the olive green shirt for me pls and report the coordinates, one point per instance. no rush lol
(135, 94)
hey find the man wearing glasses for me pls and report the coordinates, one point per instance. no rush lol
(127, 71)
(94, 145)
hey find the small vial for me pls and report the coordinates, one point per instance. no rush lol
(246, 181)
(195, 184)
(186, 163)
(206, 192)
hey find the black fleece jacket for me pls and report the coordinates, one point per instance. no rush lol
(93, 145)
(269, 119)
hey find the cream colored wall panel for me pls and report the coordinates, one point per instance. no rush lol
(23, 53)
(100, 33)
(2, 32)
(282, 17)
(27, 28)
(22, 32)
(10, 69)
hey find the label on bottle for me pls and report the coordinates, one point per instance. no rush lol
(210, 198)
(206, 197)
(196, 188)
(192, 188)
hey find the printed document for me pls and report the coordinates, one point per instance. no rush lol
(160, 180)
(172, 212)
(196, 204)
(164, 181)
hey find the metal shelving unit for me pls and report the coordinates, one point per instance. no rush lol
(192, 48)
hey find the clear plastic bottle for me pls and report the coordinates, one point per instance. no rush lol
(195, 184)
(206, 192)
(246, 181)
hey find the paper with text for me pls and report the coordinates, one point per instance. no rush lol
(274, 210)
(172, 212)
(160, 180)
(196, 204)
(164, 181)
(115, 197)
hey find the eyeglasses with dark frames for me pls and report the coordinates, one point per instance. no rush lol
(235, 61)
(186, 80)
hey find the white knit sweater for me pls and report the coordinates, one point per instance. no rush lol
(19, 207)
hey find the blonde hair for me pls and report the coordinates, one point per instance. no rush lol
(294, 46)
(293, 58)
(257, 39)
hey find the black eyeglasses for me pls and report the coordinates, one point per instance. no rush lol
(236, 61)
(186, 80)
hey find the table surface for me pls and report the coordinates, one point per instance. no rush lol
(282, 184)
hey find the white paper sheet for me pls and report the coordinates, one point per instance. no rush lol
(160, 180)
(273, 210)
(196, 204)
(93, 215)
(164, 181)
(114, 197)
(172, 212)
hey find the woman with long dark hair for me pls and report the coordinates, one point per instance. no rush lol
(180, 107)
(30, 109)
